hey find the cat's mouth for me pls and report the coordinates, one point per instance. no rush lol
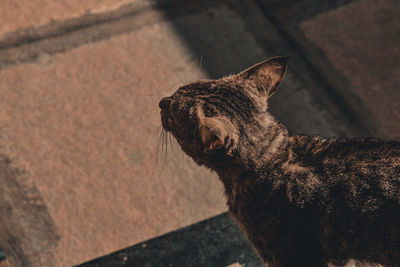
(166, 119)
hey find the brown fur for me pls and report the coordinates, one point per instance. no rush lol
(301, 200)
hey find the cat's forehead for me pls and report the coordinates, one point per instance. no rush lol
(210, 86)
(198, 85)
(224, 95)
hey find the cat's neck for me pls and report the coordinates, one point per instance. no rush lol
(262, 149)
(264, 143)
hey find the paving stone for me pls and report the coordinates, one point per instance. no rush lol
(361, 40)
(17, 15)
(85, 126)
(216, 242)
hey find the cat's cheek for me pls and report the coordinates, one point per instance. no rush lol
(170, 121)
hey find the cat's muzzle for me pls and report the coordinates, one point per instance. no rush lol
(166, 119)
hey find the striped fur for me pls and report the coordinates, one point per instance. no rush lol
(301, 200)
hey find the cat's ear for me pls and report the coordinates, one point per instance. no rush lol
(211, 138)
(217, 134)
(266, 75)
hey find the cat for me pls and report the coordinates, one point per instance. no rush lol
(301, 200)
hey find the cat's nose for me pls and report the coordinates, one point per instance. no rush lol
(165, 103)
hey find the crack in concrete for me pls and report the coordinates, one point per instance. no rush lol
(23, 213)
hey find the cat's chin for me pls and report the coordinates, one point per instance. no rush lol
(199, 161)
(198, 157)
(165, 121)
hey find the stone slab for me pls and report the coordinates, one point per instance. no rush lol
(17, 15)
(213, 242)
(361, 40)
(85, 126)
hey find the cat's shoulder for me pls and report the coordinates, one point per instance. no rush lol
(315, 147)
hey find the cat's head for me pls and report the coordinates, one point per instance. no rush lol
(209, 118)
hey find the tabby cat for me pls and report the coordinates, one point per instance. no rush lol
(301, 200)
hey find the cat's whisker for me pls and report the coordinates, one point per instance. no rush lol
(182, 157)
(201, 62)
(171, 145)
(160, 151)
(165, 142)
(158, 145)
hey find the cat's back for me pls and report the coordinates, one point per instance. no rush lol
(356, 170)
(347, 154)
(358, 194)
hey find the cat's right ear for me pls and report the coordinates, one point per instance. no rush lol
(217, 134)
(266, 75)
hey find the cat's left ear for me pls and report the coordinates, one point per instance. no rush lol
(266, 75)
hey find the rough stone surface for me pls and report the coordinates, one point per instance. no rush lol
(24, 214)
(362, 41)
(85, 125)
(16, 15)
(216, 242)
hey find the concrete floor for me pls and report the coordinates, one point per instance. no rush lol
(79, 122)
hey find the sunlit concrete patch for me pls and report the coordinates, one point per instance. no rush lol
(85, 124)
(16, 15)
(360, 40)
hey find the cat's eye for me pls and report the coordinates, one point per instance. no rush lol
(174, 107)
